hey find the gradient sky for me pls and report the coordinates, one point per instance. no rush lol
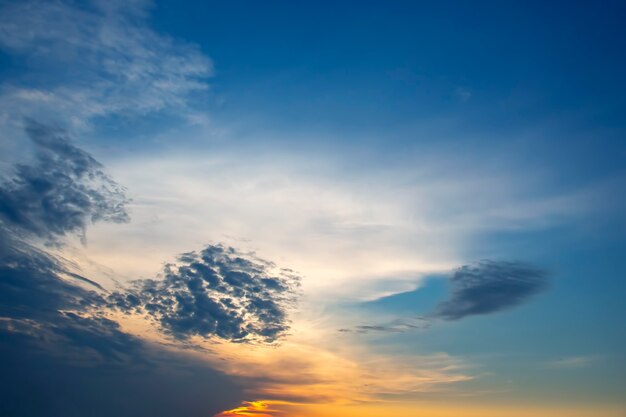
(312, 209)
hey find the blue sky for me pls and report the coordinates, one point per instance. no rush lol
(427, 196)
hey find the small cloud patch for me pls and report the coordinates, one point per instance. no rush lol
(488, 287)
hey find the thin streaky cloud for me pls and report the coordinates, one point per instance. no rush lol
(113, 62)
(572, 362)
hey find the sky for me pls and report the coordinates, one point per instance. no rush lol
(312, 209)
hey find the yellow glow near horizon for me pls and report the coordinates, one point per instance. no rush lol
(269, 408)
(250, 408)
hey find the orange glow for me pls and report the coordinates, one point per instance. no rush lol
(254, 408)
(287, 409)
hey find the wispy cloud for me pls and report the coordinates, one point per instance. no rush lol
(95, 58)
(346, 230)
(331, 371)
(572, 362)
(394, 326)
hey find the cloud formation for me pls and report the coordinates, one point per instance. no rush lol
(31, 283)
(62, 192)
(99, 58)
(488, 287)
(394, 326)
(60, 356)
(59, 353)
(72, 364)
(217, 291)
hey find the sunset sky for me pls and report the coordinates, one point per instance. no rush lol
(312, 208)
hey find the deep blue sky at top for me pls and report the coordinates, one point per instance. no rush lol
(368, 63)
(408, 73)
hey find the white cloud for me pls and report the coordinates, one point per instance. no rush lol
(572, 362)
(345, 231)
(97, 58)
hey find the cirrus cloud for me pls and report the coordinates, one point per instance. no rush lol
(100, 58)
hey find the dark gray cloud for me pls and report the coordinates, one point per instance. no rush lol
(71, 364)
(217, 291)
(482, 288)
(214, 292)
(32, 284)
(59, 354)
(60, 193)
(61, 357)
(490, 286)
(63, 191)
(394, 326)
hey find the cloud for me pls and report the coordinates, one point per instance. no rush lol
(217, 291)
(59, 352)
(572, 362)
(367, 233)
(95, 58)
(307, 373)
(59, 355)
(62, 192)
(59, 194)
(394, 326)
(74, 365)
(490, 286)
(31, 283)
